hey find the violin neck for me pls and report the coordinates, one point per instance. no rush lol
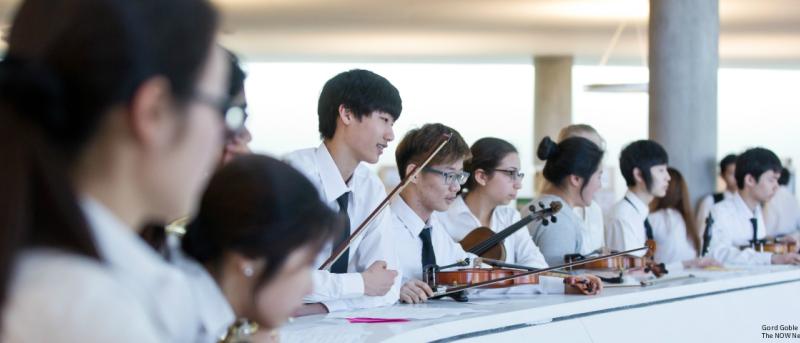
(484, 246)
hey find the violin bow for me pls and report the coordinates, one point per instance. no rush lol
(344, 245)
(536, 272)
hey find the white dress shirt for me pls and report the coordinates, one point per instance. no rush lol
(782, 214)
(407, 226)
(625, 228)
(669, 232)
(158, 286)
(214, 311)
(705, 208)
(61, 297)
(732, 228)
(592, 230)
(339, 292)
(520, 249)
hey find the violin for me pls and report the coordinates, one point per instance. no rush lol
(773, 245)
(450, 283)
(623, 262)
(476, 274)
(484, 242)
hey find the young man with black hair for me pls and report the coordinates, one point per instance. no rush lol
(727, 170)
(644, 166)
(739, 221)
(420, 236)
(356, 110)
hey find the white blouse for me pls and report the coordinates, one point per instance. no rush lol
(669, 232)
(62, 297)
(520, 249)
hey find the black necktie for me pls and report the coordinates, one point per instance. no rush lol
(428, 256)
(648, 230)
(755, 231)
(340, 266)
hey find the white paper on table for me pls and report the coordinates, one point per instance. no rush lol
(402, 311)
(326, 333)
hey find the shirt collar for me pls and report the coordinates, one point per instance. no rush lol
(638, 204)
(410, 219)
(332, 182)
(460, 208)
(120, 247)
(741, 207)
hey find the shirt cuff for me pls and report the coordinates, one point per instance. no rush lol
(334, 305)
(352, 285)
(764, 258)
(674, 267)
(552, 285)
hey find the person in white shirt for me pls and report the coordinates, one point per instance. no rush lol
(739, 221)
(122, 120)
(592, 231)
(573, 173)
(494, 180)
(356, 111)
(252, 261)
(673, 225)
(727, 170)
(643, 164)
(420, 236)
(782, 212)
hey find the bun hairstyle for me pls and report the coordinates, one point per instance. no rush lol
(573, 156)
(486, 155)
(258, 207)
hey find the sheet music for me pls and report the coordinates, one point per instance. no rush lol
(403, 311)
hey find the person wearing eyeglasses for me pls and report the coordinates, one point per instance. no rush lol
(573, 172)
(493, 182)
(419, 235)
(357, 110)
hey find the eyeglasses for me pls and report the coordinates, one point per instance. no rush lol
(450, 178)
(514, 174)
(233, 116)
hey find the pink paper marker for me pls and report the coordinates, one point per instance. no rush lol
(362, 320)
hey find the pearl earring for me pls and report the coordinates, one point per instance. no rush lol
(247, 271)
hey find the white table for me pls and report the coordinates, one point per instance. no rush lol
(729, 306)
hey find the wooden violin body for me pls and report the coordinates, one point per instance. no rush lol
(480, 235)
(469, 276)
(622, 262)
(484, 242)
(773, 246)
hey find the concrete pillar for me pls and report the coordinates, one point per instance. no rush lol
(683, 60)
(552, 98)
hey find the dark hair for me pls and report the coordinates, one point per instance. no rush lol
(725, 162)
(237, 76)
(785, 176)
(642, 154)
(573, 156)
(69, 62)
(755, 162)
(276, 211)
(486, 154)
(677, 198)
(418, 143)
(360, 91)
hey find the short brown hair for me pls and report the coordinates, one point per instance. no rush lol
(418, 143)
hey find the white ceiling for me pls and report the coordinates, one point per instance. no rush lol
(763, 33)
